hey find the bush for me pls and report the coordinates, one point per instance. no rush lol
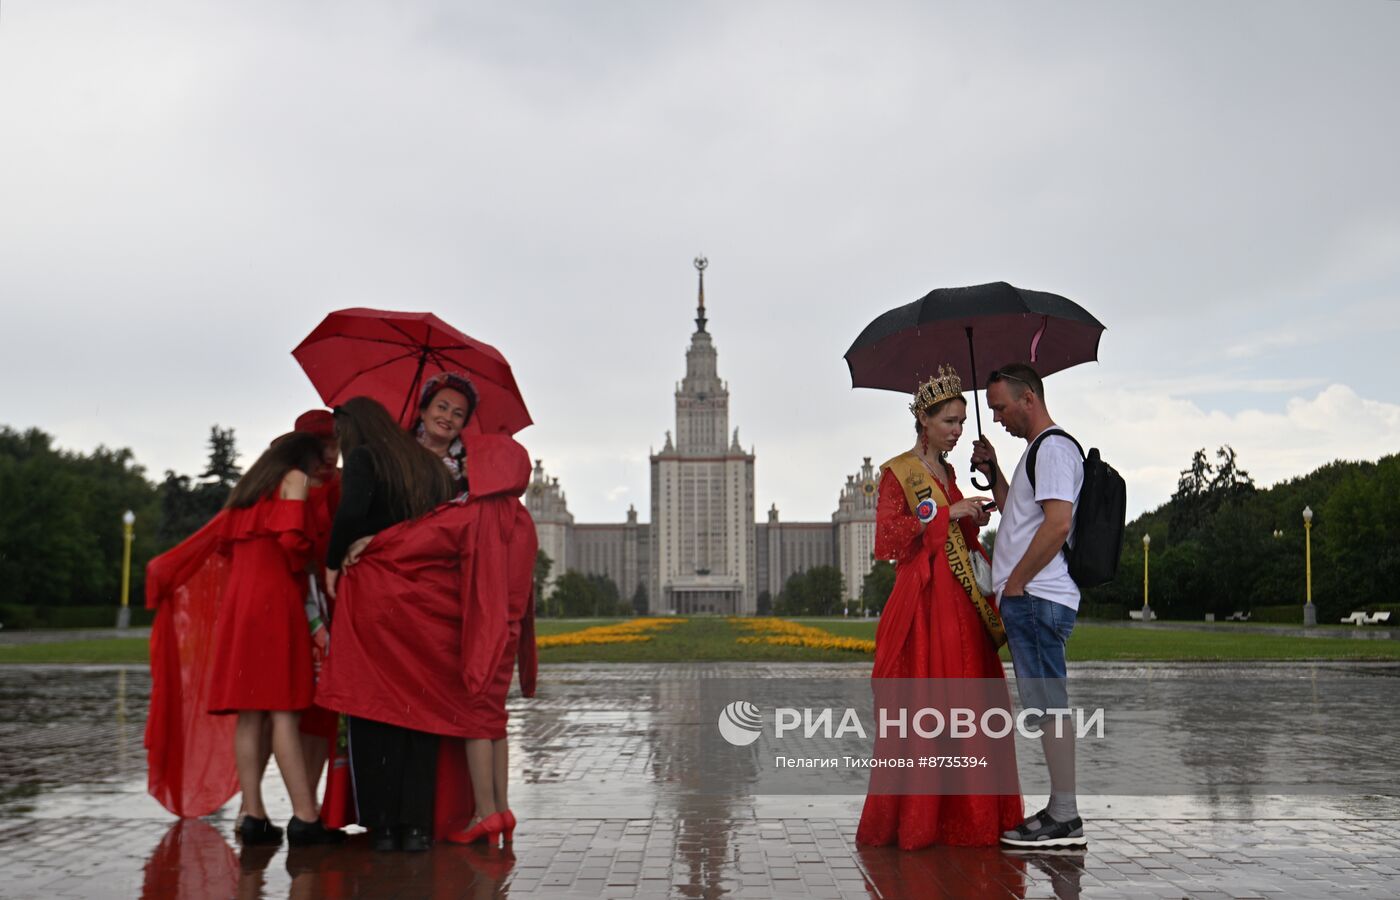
(18, 617)
(1288, 614)
(1089, 610)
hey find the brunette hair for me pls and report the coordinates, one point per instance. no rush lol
(415, 481)
(294, 450)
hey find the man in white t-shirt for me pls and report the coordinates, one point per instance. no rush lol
(1038, 599)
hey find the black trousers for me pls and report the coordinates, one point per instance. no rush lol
(395, 772)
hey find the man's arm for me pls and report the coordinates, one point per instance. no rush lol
(1049, 538)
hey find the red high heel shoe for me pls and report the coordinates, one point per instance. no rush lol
(509, 818)
(487, 829)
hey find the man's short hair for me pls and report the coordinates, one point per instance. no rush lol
(1019, 377)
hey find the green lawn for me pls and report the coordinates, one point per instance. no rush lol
(111, 650)
(700, 639)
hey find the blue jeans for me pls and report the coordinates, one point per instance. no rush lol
(1036, 631)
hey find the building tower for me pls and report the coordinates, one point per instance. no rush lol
(547, 505)
(854, 520)
(702, 495)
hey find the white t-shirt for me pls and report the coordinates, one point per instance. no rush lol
(1059, 474)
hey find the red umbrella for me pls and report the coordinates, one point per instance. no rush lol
(388, 355)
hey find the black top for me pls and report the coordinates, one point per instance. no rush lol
(364, 506)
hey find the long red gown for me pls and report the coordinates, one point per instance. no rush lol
(929, 629)
(262, 647)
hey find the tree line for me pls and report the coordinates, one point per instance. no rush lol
(61, 521)
(1219, 545)
(1222, 545)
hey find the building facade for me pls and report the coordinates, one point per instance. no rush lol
(702, 552)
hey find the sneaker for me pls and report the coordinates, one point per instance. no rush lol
(301, 833)
(1040, 832)
(253, 831)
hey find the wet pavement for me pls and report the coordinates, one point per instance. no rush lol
(617, 798)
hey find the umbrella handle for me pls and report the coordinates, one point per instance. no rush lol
(976, 406)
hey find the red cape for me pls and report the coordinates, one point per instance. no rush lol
(189, 753)
(424, 618)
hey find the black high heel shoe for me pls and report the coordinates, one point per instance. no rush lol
(302, 834)
(253, 831)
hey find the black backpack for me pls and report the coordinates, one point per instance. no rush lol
(1096, 538)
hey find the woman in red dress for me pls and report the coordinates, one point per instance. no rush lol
(930, 627)
(262, 646)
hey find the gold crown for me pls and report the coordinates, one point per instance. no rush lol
(947, 384)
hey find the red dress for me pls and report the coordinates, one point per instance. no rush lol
(262, 647)
(929, 629)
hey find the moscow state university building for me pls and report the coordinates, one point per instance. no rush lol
(702, 552)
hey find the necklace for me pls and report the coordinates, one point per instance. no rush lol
(942, 479)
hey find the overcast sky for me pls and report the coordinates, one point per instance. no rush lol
(187, 188)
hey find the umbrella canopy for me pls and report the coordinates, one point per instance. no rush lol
(986, 326)
(388, 355)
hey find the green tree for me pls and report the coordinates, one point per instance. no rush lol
(60, 521)
(542, 566)
(764, 603)
(641, 604)
(876, 587)
(223, 458)
(815, 592)
(577, 595)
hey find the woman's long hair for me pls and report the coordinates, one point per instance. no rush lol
(294, 450)
(415, 481)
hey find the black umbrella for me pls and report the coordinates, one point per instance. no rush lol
(996, 323)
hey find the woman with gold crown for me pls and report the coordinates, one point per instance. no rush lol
(938, 623)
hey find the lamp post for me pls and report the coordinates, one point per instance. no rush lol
(1309, 611)
(128, 532)
(1146, 550)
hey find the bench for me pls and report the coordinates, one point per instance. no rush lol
(1136, 615)
(1237, 616)
(1361, 617)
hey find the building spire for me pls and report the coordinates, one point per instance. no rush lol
(701, 264)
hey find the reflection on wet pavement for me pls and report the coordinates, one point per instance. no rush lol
(618, 798)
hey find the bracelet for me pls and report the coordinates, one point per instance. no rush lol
(316, 624)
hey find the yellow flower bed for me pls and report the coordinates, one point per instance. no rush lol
(786, 633)
(632, 631)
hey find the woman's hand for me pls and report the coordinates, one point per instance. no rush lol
(332, 576)
(320, 646)
(353, 554)
(971, 507)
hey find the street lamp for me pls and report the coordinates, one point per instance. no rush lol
(1309, 611)
(128, 532)
(1146, 549)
